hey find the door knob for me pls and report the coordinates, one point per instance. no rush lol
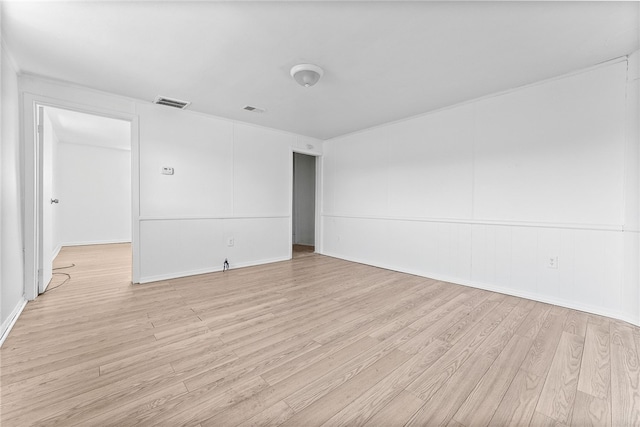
(54, 201)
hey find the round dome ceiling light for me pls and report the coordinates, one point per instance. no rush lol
(306, 74)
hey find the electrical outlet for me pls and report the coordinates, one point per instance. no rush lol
(552, 262)
(167, 170)
(230, 241)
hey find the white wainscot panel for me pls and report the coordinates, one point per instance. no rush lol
(524, 259)
(430, 249)
(587, 273)
(175, 248)
(364, 238)
(491, 255)
(550, 280)
(483, 253)
(412, 246)
(183, 247)
(329, 235)
(257, 240)
(598, 266)
(199, 149)
(631, 276)
(361, 240)
(450, 244)
(261, 171)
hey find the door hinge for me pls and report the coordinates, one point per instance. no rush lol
(40, 128)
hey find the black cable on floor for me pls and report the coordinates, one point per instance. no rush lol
(64, 274)
(61, 268)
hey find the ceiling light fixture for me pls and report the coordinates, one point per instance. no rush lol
(306, 74)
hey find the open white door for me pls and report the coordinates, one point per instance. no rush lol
(47, 202)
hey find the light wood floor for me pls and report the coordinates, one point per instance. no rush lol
(312, 341)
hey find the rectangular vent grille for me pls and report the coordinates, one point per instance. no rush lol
(170, 102)
(253, 109)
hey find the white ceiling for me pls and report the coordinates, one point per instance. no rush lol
(79, 128)
(383, 60)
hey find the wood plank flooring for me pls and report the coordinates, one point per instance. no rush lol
(314, 341)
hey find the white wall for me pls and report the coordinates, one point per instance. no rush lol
(304, 199)
(231, 180)
(486, 192)
(631, 273)
(93, 185)
(385, 186)
(11, 266)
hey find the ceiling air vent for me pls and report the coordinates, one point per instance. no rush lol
(253, 109)
(170, 102)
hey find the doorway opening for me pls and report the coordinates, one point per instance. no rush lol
(84, 188)
(303, 230)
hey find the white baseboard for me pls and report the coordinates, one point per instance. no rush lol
(7, 325)
(95, 242)
(55, 253)
(156, 278)
(502, 290)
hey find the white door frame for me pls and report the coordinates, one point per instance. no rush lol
(32, 172)
(318, 209)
